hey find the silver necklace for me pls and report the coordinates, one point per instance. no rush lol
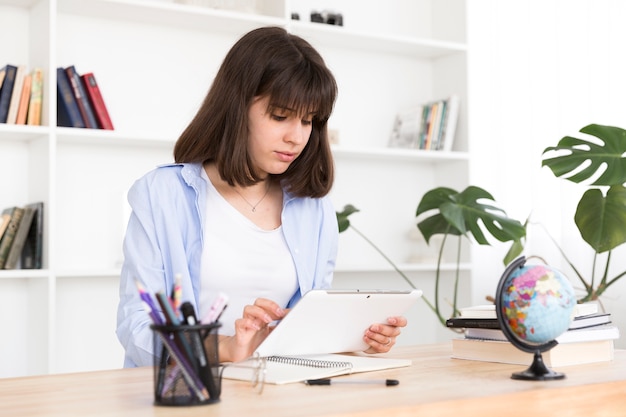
(254, 206)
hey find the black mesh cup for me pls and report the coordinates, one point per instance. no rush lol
(187, 370)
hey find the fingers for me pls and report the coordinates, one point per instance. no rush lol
(382, 337)
(261, 313)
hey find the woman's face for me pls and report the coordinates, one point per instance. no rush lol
(276, 138)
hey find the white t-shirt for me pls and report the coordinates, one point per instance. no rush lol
(242, 261)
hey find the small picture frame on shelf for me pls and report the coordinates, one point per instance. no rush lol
(406, 128)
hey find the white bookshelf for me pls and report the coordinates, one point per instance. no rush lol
(154, 61)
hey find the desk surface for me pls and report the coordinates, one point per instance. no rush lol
(435, 385)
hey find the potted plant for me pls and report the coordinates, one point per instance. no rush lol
(601, 212)
(452, 213)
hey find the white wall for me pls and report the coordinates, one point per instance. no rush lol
(540, 70)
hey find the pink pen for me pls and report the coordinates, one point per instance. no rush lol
(216, 309)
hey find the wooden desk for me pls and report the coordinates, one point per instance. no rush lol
(434, 386)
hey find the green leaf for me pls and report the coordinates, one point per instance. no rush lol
(579, 151)
(467, 211)
(601, 219)
(342, 217)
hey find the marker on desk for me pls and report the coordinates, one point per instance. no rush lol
(386, 382)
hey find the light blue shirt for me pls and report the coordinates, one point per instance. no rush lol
(165, 236)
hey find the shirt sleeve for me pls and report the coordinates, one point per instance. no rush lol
(142, 262)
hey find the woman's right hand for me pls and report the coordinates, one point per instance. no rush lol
(250, 330)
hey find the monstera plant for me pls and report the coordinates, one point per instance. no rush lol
(452, 213)
(601, 212)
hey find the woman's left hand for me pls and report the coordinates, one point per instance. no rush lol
(381, 337)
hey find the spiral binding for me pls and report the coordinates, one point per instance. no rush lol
(315, 363)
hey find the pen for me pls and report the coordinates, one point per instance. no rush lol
(386, 382)
(204, 369)
(216, 309)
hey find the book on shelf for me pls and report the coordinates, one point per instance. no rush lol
(290, 369)
(97, 101)
(22, 109)
(36, 98)
(84, 106)
(68, 114)
(7, 90)
(32, 253)
(21, 233)
(16, 93)
(5, 218)
(563, 354)
(450, 120)
(430, 126)
(16, 214)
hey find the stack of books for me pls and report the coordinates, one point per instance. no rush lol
(79, 100)
(430, 126)
(21, 94)
(21, 237)
(589, 339)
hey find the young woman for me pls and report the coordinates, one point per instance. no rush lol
(244, 209)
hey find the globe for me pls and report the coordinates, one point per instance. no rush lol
(534, 306)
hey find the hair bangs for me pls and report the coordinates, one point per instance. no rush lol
(305, 90)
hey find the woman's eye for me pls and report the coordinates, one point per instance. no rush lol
(307, 122)
(279, 118)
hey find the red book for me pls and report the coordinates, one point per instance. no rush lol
(96, 100)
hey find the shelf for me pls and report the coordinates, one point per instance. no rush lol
(24, 273)
(95, 273)
(339, 36)
(398, 154)
(170, 14)
(22, 133)
(109, 138)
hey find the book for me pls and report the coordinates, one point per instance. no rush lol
(7, 91)
(86, 111)
(488, 311)
(16, 93)
(290, 369)
(32, 254)
(97, 101)
(36, 98)
(563, 354)
(16, 214)
(448, 128)
(15, 251)
(68, 114)
(578, 322)
(5, 218)
(600, 332)
(22, 109)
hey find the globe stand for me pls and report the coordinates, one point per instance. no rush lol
(538, 371)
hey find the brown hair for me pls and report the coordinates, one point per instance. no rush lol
(266, 62)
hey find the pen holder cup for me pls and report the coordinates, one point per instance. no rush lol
(186, 365)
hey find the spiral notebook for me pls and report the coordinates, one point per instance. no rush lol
(289, 369)
(311, 341)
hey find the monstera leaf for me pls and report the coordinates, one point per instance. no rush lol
(601, 219)
(573, 153)
(460, 213)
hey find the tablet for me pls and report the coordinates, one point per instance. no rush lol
(334, 321)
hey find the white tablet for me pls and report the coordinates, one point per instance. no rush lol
(334, 321)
